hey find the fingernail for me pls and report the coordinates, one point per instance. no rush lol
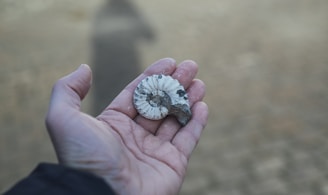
(82, 66)
(86, 66)
(171, 60)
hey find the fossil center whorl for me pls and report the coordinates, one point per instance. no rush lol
(157, 96)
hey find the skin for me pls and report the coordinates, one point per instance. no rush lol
(132, 154)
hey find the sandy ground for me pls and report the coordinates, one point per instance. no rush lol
(265, 64)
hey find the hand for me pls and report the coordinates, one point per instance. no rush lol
(133, 154)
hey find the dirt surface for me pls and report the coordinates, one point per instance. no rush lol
(265, 64)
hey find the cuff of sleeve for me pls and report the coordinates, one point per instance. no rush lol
(51, 179)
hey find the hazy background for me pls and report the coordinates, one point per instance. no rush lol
(265, 64)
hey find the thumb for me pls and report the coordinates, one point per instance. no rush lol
(65, 103)
(69, 91)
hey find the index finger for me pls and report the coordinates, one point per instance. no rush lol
(123, 102)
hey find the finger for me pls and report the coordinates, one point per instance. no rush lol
(169, 128)
(185, 73)
(187, 138)
(196, 91)
(123, 102)
(68, 93)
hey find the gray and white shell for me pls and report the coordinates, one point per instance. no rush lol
(157, 96)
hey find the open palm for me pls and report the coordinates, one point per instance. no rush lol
(133, 154)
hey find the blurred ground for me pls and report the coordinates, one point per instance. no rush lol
(265, 64)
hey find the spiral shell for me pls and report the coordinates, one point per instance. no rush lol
(157, 96)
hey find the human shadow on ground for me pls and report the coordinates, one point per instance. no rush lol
(117, 29)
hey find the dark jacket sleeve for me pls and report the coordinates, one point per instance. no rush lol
(56, 179)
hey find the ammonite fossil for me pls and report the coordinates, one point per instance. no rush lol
(157, 96)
